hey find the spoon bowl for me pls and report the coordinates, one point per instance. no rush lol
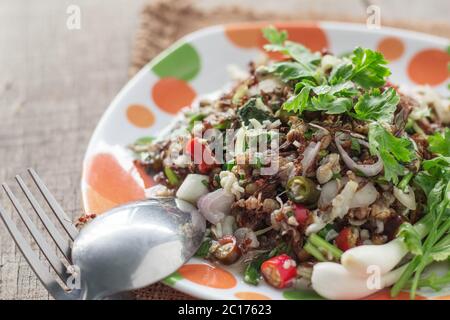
(135, 245)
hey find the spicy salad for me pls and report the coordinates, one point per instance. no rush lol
(315, 170)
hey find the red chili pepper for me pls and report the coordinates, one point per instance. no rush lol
(301, 214)
(201, 155)
(279, 271)
(346, 239)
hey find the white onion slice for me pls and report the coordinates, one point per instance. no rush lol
(328, 193)
(369, 170)
(192, 188)
(215, 205)
(330, 190)
(310, 155)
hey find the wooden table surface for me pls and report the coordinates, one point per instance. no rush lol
(55, 83)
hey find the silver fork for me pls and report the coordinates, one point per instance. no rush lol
(63, 242)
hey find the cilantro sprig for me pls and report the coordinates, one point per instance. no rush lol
(440, 143)
(394, 151)
(435, 183)
(358, 76)
(377, 106)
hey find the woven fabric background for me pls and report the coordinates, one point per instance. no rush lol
(164, 22)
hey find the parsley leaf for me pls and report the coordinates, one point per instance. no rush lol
(369, 68)
(436, 246)
(377, 106)
(391, 150)
(289, 70)
(274, 36)
(411, 238)
(340, 73)
(299, 102)
(440, 143)
(143, 141)
(344, 89)
(304, 58)
(330, 104)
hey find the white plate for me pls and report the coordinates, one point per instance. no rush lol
(196, 65)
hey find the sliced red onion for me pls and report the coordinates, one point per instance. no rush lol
(310, 155)
(369, 170)
(214, 206)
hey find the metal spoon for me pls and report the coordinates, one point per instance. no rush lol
(135, 245)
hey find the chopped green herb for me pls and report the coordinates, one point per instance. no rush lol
(144, 140)
(369, 68)
(274, 36)
(403, 184)
(203, 251)
(252, 273)
(250, 110)
(435, 181)
(308, 134)
(205, 183)
(229, 165)
(315, 252)
(171, 176)
(440, 143)
(289, 70)
(325, 246)
(258, 164)
(377, 106)
(195, 118)
(392, 150)
(355, 145)
(225, 124)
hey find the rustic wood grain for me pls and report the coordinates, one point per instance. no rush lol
(54, 86)
(56, 83)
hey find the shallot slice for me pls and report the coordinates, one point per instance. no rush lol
(365, 196)
(214, 206)
(310, 155)
(369, 170)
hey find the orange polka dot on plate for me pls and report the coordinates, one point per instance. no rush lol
(146, 178)
(110, 181)
(97, 204)
(244, 35)
(207, 275)
(251, 296)
(429, 66)
(140, 116)
(391, 47)
(311, 35)
(172, 94)
(250, 35)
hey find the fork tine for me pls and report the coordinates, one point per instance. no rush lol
(39, 269)
(49, 253)
(62, 244)
(54, 205)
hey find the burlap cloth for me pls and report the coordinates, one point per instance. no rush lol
(163, 22)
